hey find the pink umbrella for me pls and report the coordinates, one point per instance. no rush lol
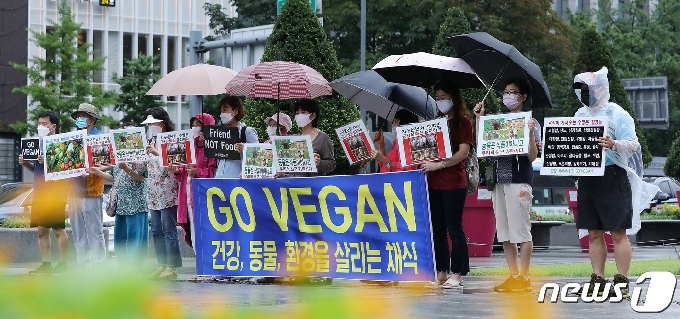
(279, 80)
(198, 79)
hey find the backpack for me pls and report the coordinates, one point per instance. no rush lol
(471, 168)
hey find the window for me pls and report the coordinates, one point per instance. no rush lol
(141, 44)
(675, 187)
(157, 50)
(541, 196)
(665, 187)
(97, 42)
(559, 196)
(127, 50)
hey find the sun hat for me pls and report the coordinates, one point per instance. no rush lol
(86, 108)
(150, 119)
(283, 120)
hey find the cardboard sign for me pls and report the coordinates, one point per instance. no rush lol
(570, 146)
(220, 142)
(424, 142)
(294, 154)
(355, 141)
(129, 145)
(258, 161)
(65, 155)
(30, 148)
(176, 148)
(504, 134)
(99, 149)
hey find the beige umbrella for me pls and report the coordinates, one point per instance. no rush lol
(197, 79)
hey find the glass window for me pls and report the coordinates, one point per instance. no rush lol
(97, 42)
(674, 188)
(541, 196)
(559, 196)
(665, 187)
(157, 50)
(127, 50)
(171, 53)
(141, 44)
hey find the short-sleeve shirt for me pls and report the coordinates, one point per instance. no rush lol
(453, 177)
(131, 195)
(232, 168)
(517, 169)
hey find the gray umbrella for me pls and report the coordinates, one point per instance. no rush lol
(372, 92)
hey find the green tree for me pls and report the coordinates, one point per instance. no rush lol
(62, 80)
(672, 166)
(251, 13)
(593, 55)
(299, 37)
(141, 74)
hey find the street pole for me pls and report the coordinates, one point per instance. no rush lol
(194, 100)
(363, 51)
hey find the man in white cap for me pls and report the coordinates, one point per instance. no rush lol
(85, 205)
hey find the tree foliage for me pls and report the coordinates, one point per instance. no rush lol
(298, 37)
(141, 74)
(62, 80)
(251, 13)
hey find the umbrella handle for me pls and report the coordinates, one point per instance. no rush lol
(496, 79)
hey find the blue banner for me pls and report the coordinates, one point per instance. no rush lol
(372, 227)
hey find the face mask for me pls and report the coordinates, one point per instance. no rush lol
(81, 122)
(43, 131)
(155, 129)
(511, 101)
(444, 106)
(271, 131)
(585, 97)
(302, 120)
(226, 118)
(196, 130)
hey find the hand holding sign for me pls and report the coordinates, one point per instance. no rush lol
(606, 142)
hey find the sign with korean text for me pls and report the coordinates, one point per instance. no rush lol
(176, 148)
(65, 155)
(258, 161)
(129, 145)
(220, 142)
(352, 227)
(355, 141)
(30, 148)
(570, 146)
(294, 154)
(424, 142)
(503, 134)
(99, 149)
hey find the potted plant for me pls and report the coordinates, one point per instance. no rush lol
(660, 225)
(541, 225)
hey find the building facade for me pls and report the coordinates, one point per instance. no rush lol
(564, 6)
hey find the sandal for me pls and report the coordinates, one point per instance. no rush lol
(168, 274)
(452, 283)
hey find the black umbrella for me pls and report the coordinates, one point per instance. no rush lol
(371, 91)
(495, 61)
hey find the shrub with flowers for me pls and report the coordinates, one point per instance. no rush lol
(664, 211)
(567, 218)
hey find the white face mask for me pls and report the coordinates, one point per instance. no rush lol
(196, 130)
(303, 120)
(43, 131)
(271, 131)
(444, 106)
(226, 118)
(155, 129)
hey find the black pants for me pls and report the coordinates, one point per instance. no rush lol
(446, 212)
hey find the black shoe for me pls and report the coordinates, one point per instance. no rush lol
(595, 279)
(620, 279)
(60, 269)
(514, 284)
(44, 269)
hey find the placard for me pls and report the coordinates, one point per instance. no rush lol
(424, 142)
(258, 161)
(220, 142)
(503, 134)
(65, 155)
(294, 154)
(129, 145)
(355, 141)
(30, 148)
(176, 148)
(99, 149)
(570, 146)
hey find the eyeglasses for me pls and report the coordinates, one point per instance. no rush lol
(511, 92)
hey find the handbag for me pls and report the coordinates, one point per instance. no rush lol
(490, 176)
(112, 205)
(471, 168)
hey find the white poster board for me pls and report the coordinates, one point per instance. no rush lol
(129, 145)
(99, 149)
(503, 134)
(259, 161)
(65, 155)
(294, 154)
(355, 141)
(424, 142)
(176, 148)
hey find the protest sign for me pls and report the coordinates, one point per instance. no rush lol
(65, 155)
(423, 142)
(355, 141)
(30, 148)
(349, 227)
(176, 148)
(570, 146)
(220, 142)
(503, 134)
(129, 145)
(258, 161)
(294, 154)
(99, 149)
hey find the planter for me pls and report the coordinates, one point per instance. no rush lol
(479, 223)
(657, 232)
(20, 245)
(540, 232)
(544, 235)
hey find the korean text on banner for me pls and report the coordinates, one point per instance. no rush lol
(65, 155)
(99, 149)
(294, 154)
(570, 146)
(355, 141)
(424, 142)
(503, 134)
(258, 161)
(176, 148)
(322, 226)
(129, 145)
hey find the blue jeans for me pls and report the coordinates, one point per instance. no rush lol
(165, 241)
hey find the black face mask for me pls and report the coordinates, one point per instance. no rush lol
(585, 97)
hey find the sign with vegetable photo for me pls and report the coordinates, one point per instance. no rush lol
(65, 155)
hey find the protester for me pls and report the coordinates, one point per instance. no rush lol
(232, 113)
(161, 199)
(307, 116)
(607, 203)
(391, 162)
(279, 120)
(49, 204)
(512, 196)
(131, 229)
(447, 184)
(85, 206)
(205, 168)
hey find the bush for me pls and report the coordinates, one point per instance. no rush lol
(16, 222)
(567, 218)
(662, 212)
(672, 166)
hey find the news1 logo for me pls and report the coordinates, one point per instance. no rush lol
(658, 297)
